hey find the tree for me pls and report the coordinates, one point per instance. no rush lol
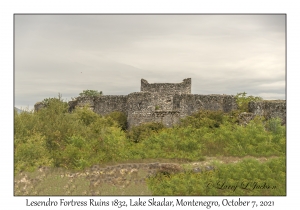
(243, 101)
(87, 93)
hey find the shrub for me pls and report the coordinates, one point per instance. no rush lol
(31, 153)
(87, 93)
(176, 143)
(120, 118)
(86, 116)
(243, 101)
(205, 118)
(24, 124)
(274, 125)
(56, 104)
(249, 140)
(237, 179)
(141, 132)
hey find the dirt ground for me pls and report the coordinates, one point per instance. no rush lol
(111, 179)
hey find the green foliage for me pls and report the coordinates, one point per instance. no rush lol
(86, 116)
(205, 118)
(87, 93)
(56, 104)
(54, 137)
(97, 139)
(31, 152)
(187, 142)
(243, 101)
(120, 118)
(72, 156)
(70, 140)
(176, 143)
(235, 140)
(24, 122)
(141, 132)
(249, 177)
(274, 125)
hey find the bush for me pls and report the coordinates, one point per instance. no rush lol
(31, 153)
(120, 118)
(205, 118)
(176, 143)
(85, 115)
(274, 125)
(56, 104)
(141, 132)
(243, 101)
(88, 93)
(24, 124)
(244, 175)
(250, 140)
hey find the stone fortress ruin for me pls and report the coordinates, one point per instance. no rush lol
(169, 102)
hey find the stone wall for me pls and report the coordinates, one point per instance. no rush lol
(101, 105)
(139, 109)
(38, 106)
(168, 118)
(81, 102)
(106, 104)
(187, 104)
(168, 103)
(170, 88)
(269, 109)
(145, 107)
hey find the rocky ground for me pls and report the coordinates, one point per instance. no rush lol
(115, 179)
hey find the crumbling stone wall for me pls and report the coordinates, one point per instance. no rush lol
(269, 109)
(143, 107)
(139, 109)
(170, 88)
(106, 104)
(168, 103)
(168, 118)
(187, 104)
(38, 106)
(101, 104)
(81, 102)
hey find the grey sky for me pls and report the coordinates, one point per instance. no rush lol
(223, 54)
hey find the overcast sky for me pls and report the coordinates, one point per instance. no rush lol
(223, 54)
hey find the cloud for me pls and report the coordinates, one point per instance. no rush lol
(221, 53)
